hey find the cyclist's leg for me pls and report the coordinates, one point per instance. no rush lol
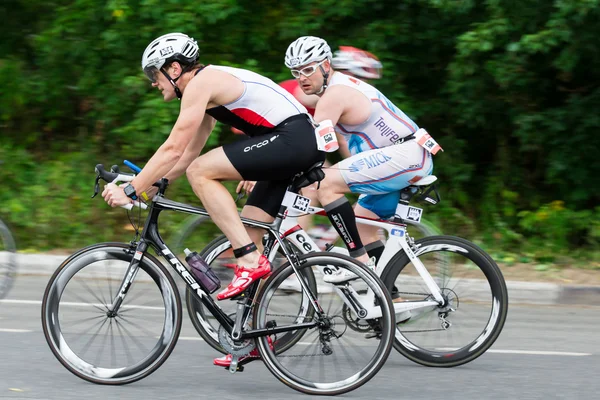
(205, 175)
(278, 156)
(375, 206)
(263, 204)
(340, 212)
(306, 221)
(377, 172)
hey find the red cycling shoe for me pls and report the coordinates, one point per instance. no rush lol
(225, 361)
(244, 277)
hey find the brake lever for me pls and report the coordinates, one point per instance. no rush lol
(96, 186)
(239, 196)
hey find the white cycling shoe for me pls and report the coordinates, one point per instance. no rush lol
(343, 275)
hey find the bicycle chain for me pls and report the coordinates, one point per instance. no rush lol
(307, 319)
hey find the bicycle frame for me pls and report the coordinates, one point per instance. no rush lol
(397, 240)
(150, 237)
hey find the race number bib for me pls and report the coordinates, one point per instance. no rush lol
(427, 142)
(296, 202)
(326, 139)
(409, 213)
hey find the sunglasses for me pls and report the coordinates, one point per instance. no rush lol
(151, 73)
(306, 71)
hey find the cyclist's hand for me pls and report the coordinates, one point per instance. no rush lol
(115, 196)
(246, 186)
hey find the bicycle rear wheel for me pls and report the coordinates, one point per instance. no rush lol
(333, 357)
(93, 342)
(8, 260)
(475, 309)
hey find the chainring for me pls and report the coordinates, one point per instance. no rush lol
(232, 347)
(356, 324)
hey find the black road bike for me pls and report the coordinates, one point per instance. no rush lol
(112, 313)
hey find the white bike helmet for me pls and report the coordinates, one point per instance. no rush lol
(305, 50)
(359, 63)
(166, 49)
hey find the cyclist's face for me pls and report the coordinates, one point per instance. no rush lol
(162, 83)
(310, 76)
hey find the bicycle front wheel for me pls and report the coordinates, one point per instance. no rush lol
(92, 341)
(475, 302)
(8, 260)
(334, 356)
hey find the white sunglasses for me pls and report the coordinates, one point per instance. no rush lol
(306, 71)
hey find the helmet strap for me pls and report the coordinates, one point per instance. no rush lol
(177, 90)
(325, 78)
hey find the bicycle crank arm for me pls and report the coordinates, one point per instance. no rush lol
(351, 298)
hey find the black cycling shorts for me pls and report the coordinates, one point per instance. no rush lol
(274, 159)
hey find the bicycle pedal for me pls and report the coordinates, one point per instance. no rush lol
(240, 368)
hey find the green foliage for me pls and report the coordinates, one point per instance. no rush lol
(509, 88)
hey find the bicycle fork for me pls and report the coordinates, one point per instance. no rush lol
(130, 275)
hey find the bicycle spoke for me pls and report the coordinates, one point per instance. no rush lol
(125, 347)
(132, 337)
(89, 342)
(138, 326)
(82, 283)
(81, 334)
(97, 362)
(80, 321)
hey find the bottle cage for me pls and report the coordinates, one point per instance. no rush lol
(421, 193)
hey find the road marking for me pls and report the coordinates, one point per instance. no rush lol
(191, 338)
(21, 301)
(74, 304)
(531, 352)
(497, 351)
(16, 330)
(539, 353)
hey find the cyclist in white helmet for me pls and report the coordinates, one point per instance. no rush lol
(356, 63)
(281, 144)
(385, 158)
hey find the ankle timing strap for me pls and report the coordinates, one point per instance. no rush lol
(242, 251)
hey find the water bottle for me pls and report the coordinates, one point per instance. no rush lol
(202, 271)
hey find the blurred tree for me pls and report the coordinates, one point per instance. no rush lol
(509, 88)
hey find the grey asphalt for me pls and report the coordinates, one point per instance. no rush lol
(544, 352)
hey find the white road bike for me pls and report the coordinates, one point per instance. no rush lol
(452, 292)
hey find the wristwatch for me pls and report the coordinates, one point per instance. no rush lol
(130, 192)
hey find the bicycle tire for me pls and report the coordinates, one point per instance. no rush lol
(51, 319)
(498, 309)
(8, 260)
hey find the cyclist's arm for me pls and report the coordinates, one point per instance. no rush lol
(307, 100)
(191, 116)
(193, 149)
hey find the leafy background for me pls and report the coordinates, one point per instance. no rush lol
(510, 88)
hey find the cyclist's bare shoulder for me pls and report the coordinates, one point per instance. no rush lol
(353, 106)
(223, 87)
